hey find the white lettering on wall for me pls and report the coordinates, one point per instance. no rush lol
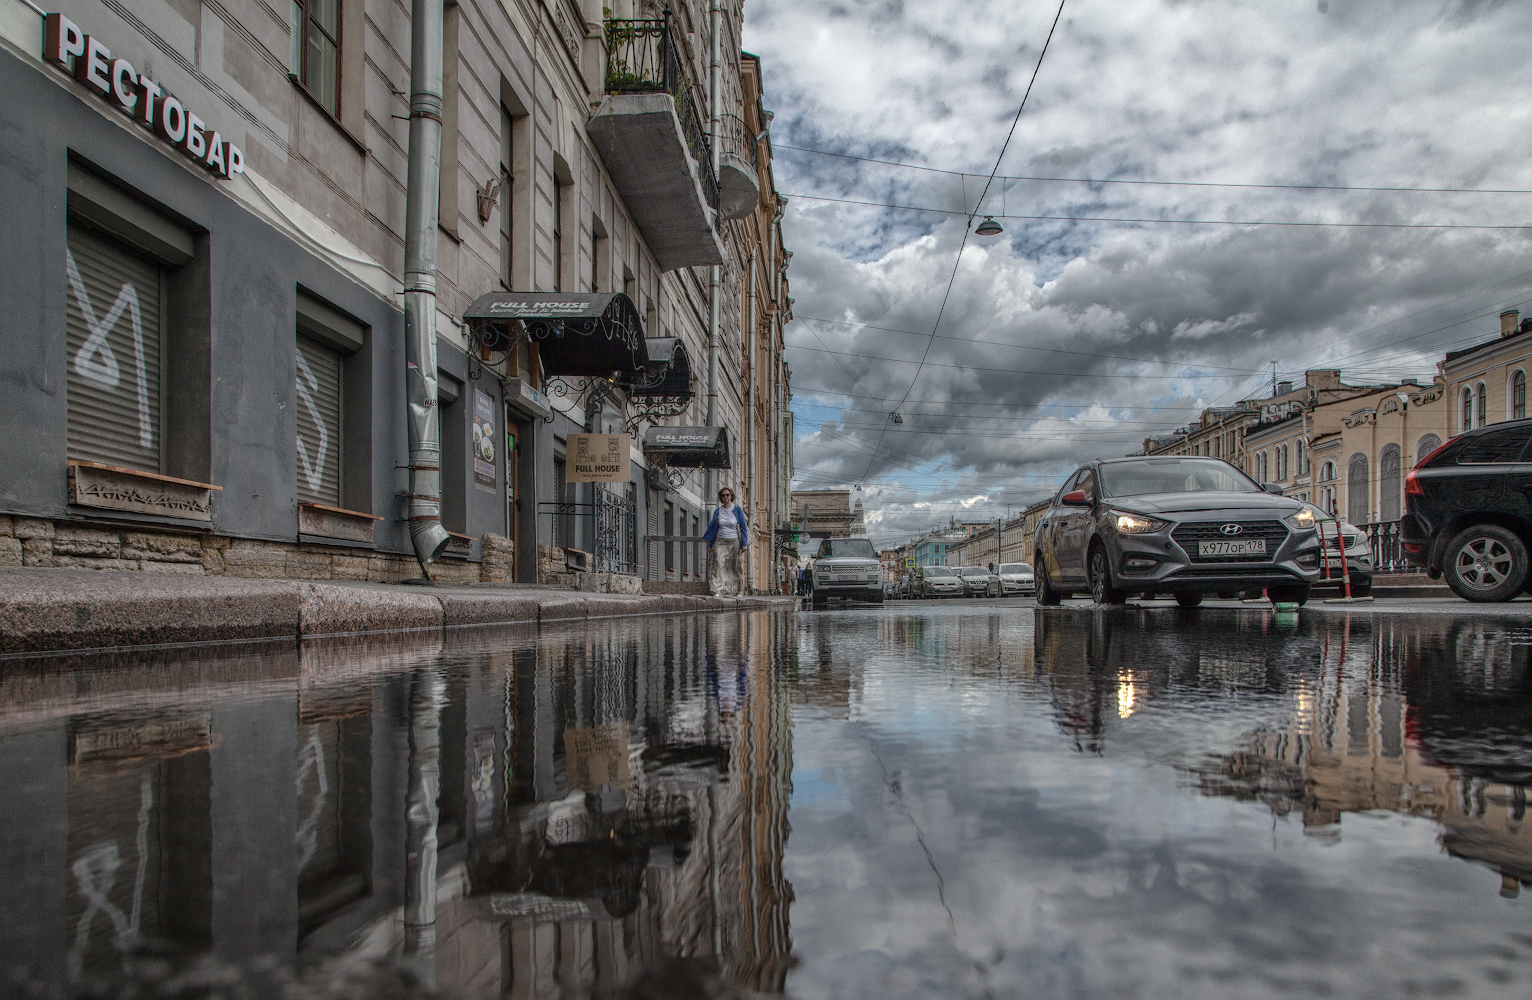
(95, 360)
(313, 473)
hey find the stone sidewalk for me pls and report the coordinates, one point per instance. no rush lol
(44, 610)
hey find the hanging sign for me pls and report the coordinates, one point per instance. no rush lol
(137, 96)
(597, 458)
(483, 441)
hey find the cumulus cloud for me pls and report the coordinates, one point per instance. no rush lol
(1064, 340)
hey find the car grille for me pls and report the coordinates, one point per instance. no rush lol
(1187, 535)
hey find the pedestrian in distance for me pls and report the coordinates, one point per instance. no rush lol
(727, 537)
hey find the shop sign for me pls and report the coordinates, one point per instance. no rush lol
(597, 458)
(483, 441)
(134, 94)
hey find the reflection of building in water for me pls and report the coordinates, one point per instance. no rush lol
(1381, 724)
(608, 797)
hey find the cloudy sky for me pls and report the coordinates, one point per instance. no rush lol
(1068, 338)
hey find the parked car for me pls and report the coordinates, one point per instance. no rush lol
(846, 569)
(1014, 578)
(975, 581)
(937, 581)
(1359, 558)
(1183, 526)
(1468, 512)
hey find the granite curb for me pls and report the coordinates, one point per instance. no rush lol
(43, 610)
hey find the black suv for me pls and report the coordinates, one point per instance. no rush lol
(1468, 512)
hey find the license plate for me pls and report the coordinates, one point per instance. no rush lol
(1247, 547)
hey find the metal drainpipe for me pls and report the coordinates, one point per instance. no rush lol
(749, 415)
(427, 535)
(714, 272)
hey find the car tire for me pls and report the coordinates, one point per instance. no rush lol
(1099, 569)
(1188, 598)
(1047, 597)
(1297, 593)
(1486, 564)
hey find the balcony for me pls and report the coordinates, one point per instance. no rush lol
(739, 177)
(649, 132)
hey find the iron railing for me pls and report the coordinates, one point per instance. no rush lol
(642, 58)
(1387, 547)
(733, 136)
(613, 520)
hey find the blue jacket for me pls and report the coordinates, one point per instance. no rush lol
(711, 534)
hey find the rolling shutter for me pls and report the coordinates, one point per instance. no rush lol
(113, 335)
(318, 423)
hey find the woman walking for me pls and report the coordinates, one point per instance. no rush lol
(727, 536)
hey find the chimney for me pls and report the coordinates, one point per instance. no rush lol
(1510, 320)
(1322, 378)
(1283, 388)
(1409, 381)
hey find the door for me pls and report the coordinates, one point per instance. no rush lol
(1069, 544)
(1494, 474)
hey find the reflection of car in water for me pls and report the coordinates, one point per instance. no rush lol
(846, 569)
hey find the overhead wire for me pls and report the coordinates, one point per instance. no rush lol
(957, 264)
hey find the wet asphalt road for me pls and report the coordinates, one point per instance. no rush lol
(956, 798)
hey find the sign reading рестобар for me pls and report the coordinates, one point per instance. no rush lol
(136, 95)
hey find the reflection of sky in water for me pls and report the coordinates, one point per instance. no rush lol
(1088, 865)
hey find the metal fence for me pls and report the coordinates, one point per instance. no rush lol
(641, 58)
(612, 519)
(1387, 547)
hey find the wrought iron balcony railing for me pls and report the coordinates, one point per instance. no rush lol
(642, 58)
(734, 137)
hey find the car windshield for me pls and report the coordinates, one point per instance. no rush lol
(1174, 475)
(1016, 569)
(841, 548)
(939, 571)
(973, 571)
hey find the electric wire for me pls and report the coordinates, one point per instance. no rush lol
(957, 264)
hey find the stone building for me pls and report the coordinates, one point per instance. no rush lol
(206, 241)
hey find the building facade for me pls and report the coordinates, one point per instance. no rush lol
(206, 235)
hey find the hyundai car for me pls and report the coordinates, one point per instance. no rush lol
(846, 569)
(1182, 526)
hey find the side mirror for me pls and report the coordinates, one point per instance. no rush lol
(1272, 488)
(1075, 498)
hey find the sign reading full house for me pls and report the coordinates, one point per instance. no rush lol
(137, 96)
(597, 458)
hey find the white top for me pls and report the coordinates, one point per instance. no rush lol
(728, 527)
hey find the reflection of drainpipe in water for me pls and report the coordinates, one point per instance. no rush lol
(422, 190)
(421, 816)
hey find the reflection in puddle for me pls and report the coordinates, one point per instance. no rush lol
(1051, 803)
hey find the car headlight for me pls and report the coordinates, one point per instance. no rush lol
(1136, 524)
(1304, 519)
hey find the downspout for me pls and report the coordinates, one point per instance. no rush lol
(714, 272)
(749, 414)
(423, 185)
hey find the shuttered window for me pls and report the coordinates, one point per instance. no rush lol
(113, 335)
(318, 423)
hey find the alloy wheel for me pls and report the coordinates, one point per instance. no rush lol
(1484, 563)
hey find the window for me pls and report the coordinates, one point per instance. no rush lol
(315, 54)
(1425, 446)
(1357, 504)
(1467, 420)
(1260, 467)
(1172, 475)
(1303, 460)
(1481, 407)
(1518, 395)
(1496, 447)
(563, 518)
(1281, 452)
(115, 300)
(1388, 483)
(1327, 472)
(319, 431)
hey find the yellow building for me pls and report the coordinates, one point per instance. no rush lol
(1487, 383)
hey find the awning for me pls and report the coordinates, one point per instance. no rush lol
(577, 335)
(668, 374)
(688, 447)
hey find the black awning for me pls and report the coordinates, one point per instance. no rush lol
(577, 335)
(668, 374)
(688, 447)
